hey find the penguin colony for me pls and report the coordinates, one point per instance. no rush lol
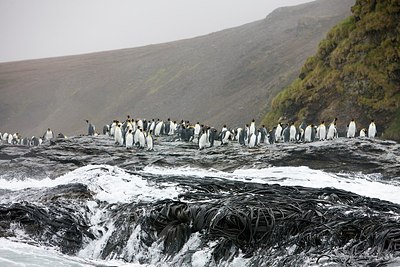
(139, 133)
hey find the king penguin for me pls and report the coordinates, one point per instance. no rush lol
(91, 128)
(252, 127)
(118, 135)
(293, 132)
(322, 131)
(172, 128)
(4, 137)
(351, 131)
(252, 140)
(225, 137)
(106, 129)
(129, 139)
(332, 131)
(202, 140)
(286, 133)
(363, 132)
(197, 129)
(142, 139)
(158, 128)
(48, 134)
(149, 141)
(308, 133)
(278, 133)
(10, 139)
(112, 128)
(372, 129)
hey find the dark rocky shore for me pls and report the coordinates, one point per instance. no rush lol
(341, 155)
(270, 225)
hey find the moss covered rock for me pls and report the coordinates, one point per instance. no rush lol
(354, 74)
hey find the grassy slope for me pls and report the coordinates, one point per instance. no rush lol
(355, 73)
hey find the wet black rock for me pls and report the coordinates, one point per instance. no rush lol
(268, 224)
(341, 155)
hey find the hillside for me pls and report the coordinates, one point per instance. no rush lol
(225, 77)
(354, 74)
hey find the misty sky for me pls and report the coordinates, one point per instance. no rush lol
(47, 28)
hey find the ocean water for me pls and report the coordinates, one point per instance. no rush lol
(115, 185)
(118, 190)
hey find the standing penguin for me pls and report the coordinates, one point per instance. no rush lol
(286, 134)
(240, 134)
(118, 138)
(172, 128)
(158, 128)
(197, 129)
(351, 131)
(142, 139)
(278, 133)
(322, 131)
(202, 140)
(129, 139)
(252, 127)
(152, 125)
(271, 136)
(25, 141)
(332, 131)
(363, 133)
(212, 135)
(252, 140)
(35, 141)
(149, 141)
(140, 124)
(292, 132)
(113, 125)
(167, 127)
(246, 134)
(106, 129)
(302, 130)
(4, 138)
(48, 134)
(372, 129)
(91, 128)
(308, 133)
(225, 137)
(264, 134)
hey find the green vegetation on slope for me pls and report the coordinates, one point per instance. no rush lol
(355, 73)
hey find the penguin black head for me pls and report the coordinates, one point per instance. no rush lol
(87, 121)
(253, 120)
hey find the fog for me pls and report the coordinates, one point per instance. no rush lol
(47, 28)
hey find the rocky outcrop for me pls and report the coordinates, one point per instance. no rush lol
(354, 74)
